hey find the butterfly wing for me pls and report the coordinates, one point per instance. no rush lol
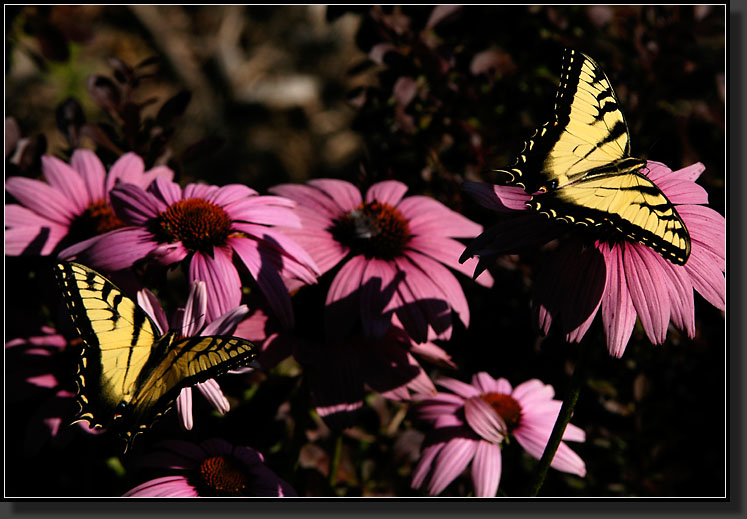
(626, 202)
(184, 363)
(587, 132)
(118, 338)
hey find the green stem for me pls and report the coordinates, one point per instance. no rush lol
(564, 416)
(334, 463)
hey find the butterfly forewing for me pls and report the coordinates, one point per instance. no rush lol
(118, 337)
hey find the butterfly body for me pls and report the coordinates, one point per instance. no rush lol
(129, 374)
(578, 169)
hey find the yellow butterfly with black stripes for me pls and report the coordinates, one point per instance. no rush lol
(578, 167)
(128, 373)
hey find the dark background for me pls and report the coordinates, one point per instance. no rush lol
(284, 94)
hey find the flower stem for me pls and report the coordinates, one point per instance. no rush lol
(334, 462)
(564, 416)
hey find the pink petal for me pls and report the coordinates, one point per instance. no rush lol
(317, 201)
(428, 216)
(707, 277)
(345, 194)
(149, 302)
(425, 464)
(423, 304)
(323, 249)
(451, 461)
(458, 387)
(681, 300)
(134, 205)
(195, 312)
(498, 198)
(440, 404)
(618, 313)
(184, 408)
(115, 250)
(707, 230)
(165, 190)
(485, 383)
(213, 393)
(169, 486)
(41, 198)
(433, 354)
(255, 211)
(648, 290)
(534, 442)
(486, 469)
(448, 251)
(221, 280)
(226, 324)
(483, 419)
(268, 279)
(532, 391)
(41, 239)
(504, 387)
(389, 192)
(92, 171)
(275, 248)
(204, 191)
(67, 181)
(229, 194)
(128, 169)
(158, 172)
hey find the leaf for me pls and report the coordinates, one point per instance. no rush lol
(104, 92)
(173, 108)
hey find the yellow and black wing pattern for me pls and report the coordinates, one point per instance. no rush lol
(128, 373)
(578, 167)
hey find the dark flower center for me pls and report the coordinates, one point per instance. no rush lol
(197, 223)
(223, 476)
(98, 218)
(374, 229)
(506, 407)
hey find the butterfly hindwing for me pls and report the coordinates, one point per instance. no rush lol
(129, 374)
(578, 169)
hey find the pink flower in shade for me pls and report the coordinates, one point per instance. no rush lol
(214, 468)
(190, 322)
(340, 371)
(212, 229)
(471, 423)
(43, 364)
(393, 251)
(73, 205)
(624, 278)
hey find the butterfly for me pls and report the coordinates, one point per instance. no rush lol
(128, 373)
(578, 167)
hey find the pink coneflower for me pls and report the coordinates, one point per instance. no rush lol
(73, 205)
(342, 370)
(625, 278)
(393, 251)
(214, 468)
(209, 228)
(471, 424)
(189, 322)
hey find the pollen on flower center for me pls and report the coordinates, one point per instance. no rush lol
(506, 407)
(98, 218)
(374, 229)
(223, 476)
(197, 223)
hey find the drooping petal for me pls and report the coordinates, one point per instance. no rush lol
(221, 279)
(448, 251)
(195, 312)
(534, 442)
(451, 461)
(486, 469)
(425, 464)
(213, 393)
(168, 486)
(184, 408)
(648, 290)
(148, 301)
(618, 312)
